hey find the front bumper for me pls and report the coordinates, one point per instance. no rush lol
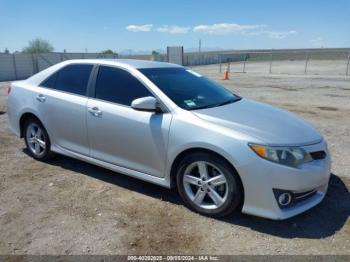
(260, 177)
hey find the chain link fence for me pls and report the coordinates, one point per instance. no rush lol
(306, 61)
(332, 61)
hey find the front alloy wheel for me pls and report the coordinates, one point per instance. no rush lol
(205, 185)
(209, 185)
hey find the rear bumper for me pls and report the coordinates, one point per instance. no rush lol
(13, 119)
(260, 177)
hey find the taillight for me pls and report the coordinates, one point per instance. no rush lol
(8, 89)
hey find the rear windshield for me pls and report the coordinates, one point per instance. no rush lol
(188, 89)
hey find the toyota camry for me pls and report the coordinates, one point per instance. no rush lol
(171, 126)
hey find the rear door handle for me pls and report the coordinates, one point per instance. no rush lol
(95, 111)
(41, 98)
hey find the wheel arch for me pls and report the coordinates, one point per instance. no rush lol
(24, 117)
(189, 151)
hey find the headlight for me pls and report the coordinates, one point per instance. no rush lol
(289, 156)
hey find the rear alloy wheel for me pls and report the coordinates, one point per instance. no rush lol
(37, 140)
(209, 185)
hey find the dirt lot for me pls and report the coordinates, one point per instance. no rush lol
(67, 206)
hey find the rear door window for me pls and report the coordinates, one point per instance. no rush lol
(72, 79)
(50, 82)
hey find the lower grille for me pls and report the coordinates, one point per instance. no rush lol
(298, 197)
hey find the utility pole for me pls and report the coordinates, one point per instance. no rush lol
(347, 66)
(306, 63)
(200, 45)
(271, 59)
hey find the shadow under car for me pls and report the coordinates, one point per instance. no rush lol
(322, 221)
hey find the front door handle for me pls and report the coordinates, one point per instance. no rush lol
(95, 111)
(41, 98)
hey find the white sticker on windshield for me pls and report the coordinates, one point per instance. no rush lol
(194, 73)
(190, 103)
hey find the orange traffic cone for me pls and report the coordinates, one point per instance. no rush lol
(226, 75)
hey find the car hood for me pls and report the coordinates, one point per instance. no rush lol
(268, 124)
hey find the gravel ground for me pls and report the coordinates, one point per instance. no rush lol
(67, 206)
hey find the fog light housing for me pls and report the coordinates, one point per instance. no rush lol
(284, 199)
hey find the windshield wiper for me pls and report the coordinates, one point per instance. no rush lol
(216, 105)
(229, 101)
(201, 107)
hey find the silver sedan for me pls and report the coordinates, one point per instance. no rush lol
(171, 126)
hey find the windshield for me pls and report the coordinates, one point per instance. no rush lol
(188, 89)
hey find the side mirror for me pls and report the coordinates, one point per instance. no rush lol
(148, 103)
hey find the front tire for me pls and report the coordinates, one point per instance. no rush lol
(37, 140)
(209, 185)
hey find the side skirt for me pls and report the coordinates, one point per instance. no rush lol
(164, 182)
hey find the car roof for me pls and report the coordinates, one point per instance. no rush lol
(139, 64)
(131, 63)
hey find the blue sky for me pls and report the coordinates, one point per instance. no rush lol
(147, 25)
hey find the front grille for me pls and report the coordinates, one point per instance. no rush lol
(318, 155)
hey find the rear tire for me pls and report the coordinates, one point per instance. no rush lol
(209, 185)
(37, 140)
